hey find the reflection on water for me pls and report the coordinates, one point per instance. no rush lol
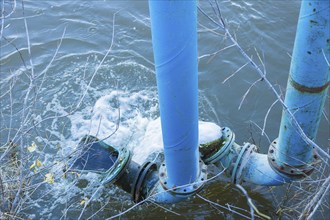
(83, 92)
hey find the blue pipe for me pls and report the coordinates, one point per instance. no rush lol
(290, 157)
(174, 38)
(258, 171)
(307, 85)
(244, 163)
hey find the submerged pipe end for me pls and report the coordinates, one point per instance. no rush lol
(94, 155)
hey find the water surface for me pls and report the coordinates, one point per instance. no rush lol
(90, 68)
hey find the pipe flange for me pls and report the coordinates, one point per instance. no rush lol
(241, 160)
(107, 175)
(188, 189)
(226, 141)
(294, 172)
(119, 167)
(140, 177)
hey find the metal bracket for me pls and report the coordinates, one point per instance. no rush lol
(188, 189)
(294, 172)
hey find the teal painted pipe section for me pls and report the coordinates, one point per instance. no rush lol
(174, 39)
(307, 84)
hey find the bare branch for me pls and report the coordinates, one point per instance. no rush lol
(247, 92)
(266, 116)
(231, 75)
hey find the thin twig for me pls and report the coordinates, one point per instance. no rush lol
(247, 92)
(231, 75)
(266, 116)
(221, 206)
(314, 203)
(250, 203)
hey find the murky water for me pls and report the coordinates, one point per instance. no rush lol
(93, 70)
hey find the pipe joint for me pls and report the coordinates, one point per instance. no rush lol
(287, 170)
(185, 190)
(232, 156)
(237, 167)
(119, 167)
(214, 151)
(96, 156)
(139, 187)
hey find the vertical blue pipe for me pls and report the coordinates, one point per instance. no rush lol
(307, 84)
(174, 38)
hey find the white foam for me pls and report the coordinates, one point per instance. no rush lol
(121, 115)
(137, 131)
(208, 131)
(153, 142)
(117, 112)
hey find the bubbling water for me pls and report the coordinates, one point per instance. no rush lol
(122, 120)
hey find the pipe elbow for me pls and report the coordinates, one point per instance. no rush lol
(258, 171)
(243, 163)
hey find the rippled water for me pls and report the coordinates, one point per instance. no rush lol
(93, 68)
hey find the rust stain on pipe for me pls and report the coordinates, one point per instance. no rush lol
(307, 89)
